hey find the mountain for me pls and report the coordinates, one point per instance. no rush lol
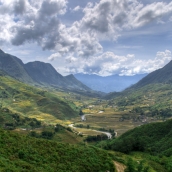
(38, 73)
(30, 101)
(74, 83)
(109, 83)
(163, 75)
(44, 73)
(14, 67)
(157, 82)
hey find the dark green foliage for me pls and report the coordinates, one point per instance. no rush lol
(81, 113)
(47, 135)
(58, 128)
(9, 120)
(155, 138)
(96, 138)
(136, 166)
(19, 153)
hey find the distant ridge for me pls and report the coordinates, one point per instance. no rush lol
(160, 76)
(38, 73)
(108, 83)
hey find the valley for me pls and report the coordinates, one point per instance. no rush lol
(118, 125)
(85, 86)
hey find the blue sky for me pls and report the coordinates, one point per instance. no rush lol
(104, 37)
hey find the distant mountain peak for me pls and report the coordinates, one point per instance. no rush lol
(1, 51)
(70, 76)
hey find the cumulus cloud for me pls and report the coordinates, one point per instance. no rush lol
(38, 21)
(108, 64)
(23, 21)
(108, 18)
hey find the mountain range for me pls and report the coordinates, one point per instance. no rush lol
(38, 73)
(108, 83)
(152, 90)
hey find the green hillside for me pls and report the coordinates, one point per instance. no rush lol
(155, 138)
(151, 142)
(23, 153)
(33, 102)
(153, 100)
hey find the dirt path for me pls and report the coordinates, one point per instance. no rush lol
(119, 167)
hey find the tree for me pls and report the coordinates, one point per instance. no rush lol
(81, 113)
(130, 166)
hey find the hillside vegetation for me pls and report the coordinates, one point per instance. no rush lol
(33, 102)
(23, 153)
(154, 139)
(153, 100)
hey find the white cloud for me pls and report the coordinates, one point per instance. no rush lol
(108, 64)
(77, 8)
(26, 21)
(146, 66)
(54, 56)
(23, 21)
(109, 17)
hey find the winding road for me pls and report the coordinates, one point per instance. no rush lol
(109, 135)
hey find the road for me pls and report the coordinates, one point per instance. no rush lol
(109, 135)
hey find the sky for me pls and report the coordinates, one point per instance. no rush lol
(103, 37)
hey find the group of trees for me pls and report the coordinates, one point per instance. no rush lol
(96, 138)
(9, 120)
(47, 133)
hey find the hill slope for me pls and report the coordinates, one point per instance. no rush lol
(33, 102)
(23, 153)
(74, 83)
(163, 75)
(44, 73)
(152, 89)
(155, 138)
(14, 67)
